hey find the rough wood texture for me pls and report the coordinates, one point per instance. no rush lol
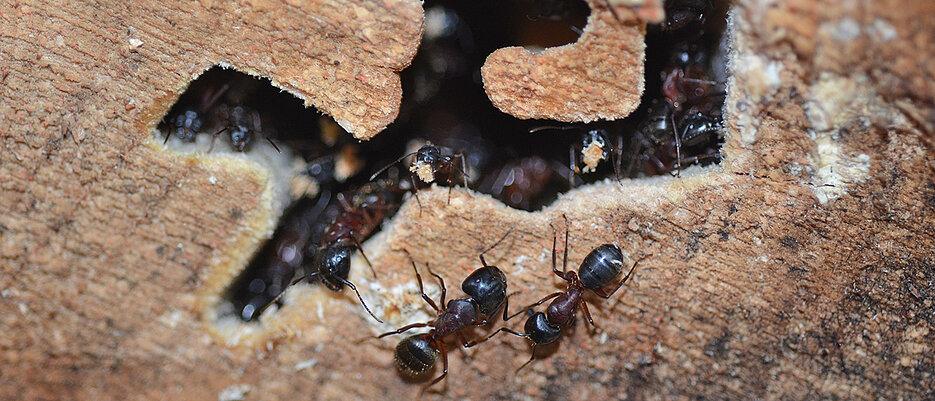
(598, 77)
(802, 268)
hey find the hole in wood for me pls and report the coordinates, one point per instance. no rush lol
(444, 103)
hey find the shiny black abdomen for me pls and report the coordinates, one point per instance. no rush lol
(601, 267)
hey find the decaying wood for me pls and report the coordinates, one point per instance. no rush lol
(800, 268)
(598, 77)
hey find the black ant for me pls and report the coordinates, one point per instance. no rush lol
(187, 123)
(360, 216)
(242, 124)
(663, 140)
(429, 164)
(486, 289)
(598, 270)
(590, 151)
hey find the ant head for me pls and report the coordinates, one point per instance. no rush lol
(487, 287)
(416, 354)
(601, 266)
(539, 330)
(595, 135)
(684, 13)
(187, 125)
(428, 154)
(333, 264)
(240, 137)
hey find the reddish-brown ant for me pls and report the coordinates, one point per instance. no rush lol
(598, 270)
(486, 289)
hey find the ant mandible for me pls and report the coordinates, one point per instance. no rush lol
(429, 164)
(486, 289)
(598, 269)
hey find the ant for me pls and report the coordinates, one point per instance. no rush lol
(486, 289)
(653, 135)
(243, 123)
(429, 164)
(187, 123)
(360, 216)
(590, 152)
(598, 270)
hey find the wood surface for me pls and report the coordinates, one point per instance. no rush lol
(802, 267)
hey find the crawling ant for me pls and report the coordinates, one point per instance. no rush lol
(598, 269)
(430, 163)
(242, 124)
(276, 263)
(361, 213)
(486, 289)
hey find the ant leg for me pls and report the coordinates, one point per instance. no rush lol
(678, 147)
(421, 288)
(344, 203)
(214, 98)
(283, 292)
(587, 313)
(604, 295)
(404, 329)
(618, 155)
(444, 352)
(441, 283)
(531, 358)
(640, 143)
(168, 134)
(539, 302)
(361, 248)
(415, 191)
(502, 329)
(565, 260)
(464, 174)
(348, 283)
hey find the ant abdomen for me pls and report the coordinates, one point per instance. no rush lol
(538, 330)
(601, 267)
(333, 263)
(487, 286)
(415, 355)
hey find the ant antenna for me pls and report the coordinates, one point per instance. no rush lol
(495, 245)
(555, 127)
(678, 147)
(215, 137)
(349, 284)
(272, 143)
(391, 164)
